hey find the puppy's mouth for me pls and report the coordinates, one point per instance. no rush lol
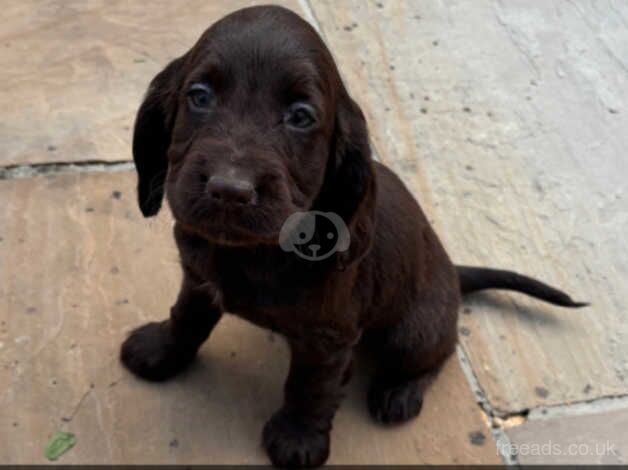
(231, 236)
(226, 224)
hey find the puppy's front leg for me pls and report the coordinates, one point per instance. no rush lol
(298, 433)
(158, 350)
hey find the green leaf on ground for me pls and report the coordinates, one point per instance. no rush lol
(59, 444)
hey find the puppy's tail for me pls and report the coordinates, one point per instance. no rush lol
(474, 279)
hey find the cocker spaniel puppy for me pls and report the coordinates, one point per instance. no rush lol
(283, 218)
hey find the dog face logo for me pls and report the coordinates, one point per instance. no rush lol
(314, 235)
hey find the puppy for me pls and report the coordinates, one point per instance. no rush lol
(250, 132)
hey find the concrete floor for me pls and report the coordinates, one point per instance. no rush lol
(506, 119)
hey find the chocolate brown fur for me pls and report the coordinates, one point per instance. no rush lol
(234, 171)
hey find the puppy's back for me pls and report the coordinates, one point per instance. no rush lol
(407, 261)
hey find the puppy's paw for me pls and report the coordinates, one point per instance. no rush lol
(390, 402)
(291, 443)
(151, 353)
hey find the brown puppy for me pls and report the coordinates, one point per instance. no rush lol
(249, 127)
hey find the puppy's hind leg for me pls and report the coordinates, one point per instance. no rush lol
(410, 355)
(159, 350)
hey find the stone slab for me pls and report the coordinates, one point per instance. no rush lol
(73, 72)
(507, 120)
(593, 439)
(79, 268)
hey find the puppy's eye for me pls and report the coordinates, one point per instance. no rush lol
(200, 97)
(300, 116)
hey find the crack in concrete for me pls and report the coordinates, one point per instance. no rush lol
(491, 415)
(38, 169)
(501, 420)
(67, 419)
(581, 407)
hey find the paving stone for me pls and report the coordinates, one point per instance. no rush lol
(506, 120)
(594, 439)
(73, 73)
(79, 268)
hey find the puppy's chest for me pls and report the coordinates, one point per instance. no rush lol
(269, 299)
(240, 291)
(258, 285)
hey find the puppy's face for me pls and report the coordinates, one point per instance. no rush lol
(250, 139)
(252, 125)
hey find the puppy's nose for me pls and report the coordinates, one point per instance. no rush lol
(231, 190)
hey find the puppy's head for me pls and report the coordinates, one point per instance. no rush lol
(250, 126)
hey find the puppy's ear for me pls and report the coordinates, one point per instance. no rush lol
(349, 187)
(151, 137)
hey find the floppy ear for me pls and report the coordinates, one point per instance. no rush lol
(349, 187)
(151, 137)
